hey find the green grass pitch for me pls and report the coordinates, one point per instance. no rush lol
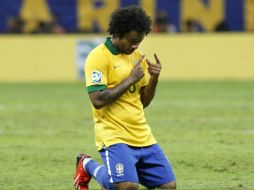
(206, 129)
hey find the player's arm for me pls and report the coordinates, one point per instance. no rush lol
(104, 97)
(147, 92)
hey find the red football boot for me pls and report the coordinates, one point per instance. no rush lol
(81, 178)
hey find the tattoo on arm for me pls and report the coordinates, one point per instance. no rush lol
(109, 95)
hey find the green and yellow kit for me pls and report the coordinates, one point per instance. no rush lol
(123, 120)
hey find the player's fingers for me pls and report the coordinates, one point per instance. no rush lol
(155, 71)
(156, 66)
(157, 59)
(148, 62)
(140, 60)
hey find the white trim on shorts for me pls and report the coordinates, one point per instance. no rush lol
(108, 166)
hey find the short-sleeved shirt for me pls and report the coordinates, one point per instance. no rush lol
(123, 120)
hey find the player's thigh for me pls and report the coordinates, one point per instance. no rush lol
(121, 163)
(155, 169)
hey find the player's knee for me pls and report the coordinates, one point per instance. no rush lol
(171, 185)
(126, 186)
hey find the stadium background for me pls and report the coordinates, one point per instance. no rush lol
(185, 56)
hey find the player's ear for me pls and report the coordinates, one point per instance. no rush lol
(115, 35)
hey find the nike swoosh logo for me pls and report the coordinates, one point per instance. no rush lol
(116, 66)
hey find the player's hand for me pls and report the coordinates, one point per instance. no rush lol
(137, 72)
(154, 68)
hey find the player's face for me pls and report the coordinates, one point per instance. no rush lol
(129, 42)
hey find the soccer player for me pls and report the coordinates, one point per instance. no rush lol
(121, 82)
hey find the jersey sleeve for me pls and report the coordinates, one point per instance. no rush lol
(96, 71)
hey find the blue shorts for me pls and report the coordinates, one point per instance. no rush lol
(147, 166)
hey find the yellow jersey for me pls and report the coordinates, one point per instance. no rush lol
(123, 120)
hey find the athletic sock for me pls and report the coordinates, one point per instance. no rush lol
(99, 172)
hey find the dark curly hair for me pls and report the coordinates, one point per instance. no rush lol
(127, 19)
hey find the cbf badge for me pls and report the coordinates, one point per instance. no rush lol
(96, 77)
(119, 169)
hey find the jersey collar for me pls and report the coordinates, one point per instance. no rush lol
(111, 47)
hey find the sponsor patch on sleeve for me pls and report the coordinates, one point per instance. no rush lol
(96, 77)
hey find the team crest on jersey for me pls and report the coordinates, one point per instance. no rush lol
(119, 169)
(96, 77)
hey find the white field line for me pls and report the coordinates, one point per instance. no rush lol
(250, 131)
